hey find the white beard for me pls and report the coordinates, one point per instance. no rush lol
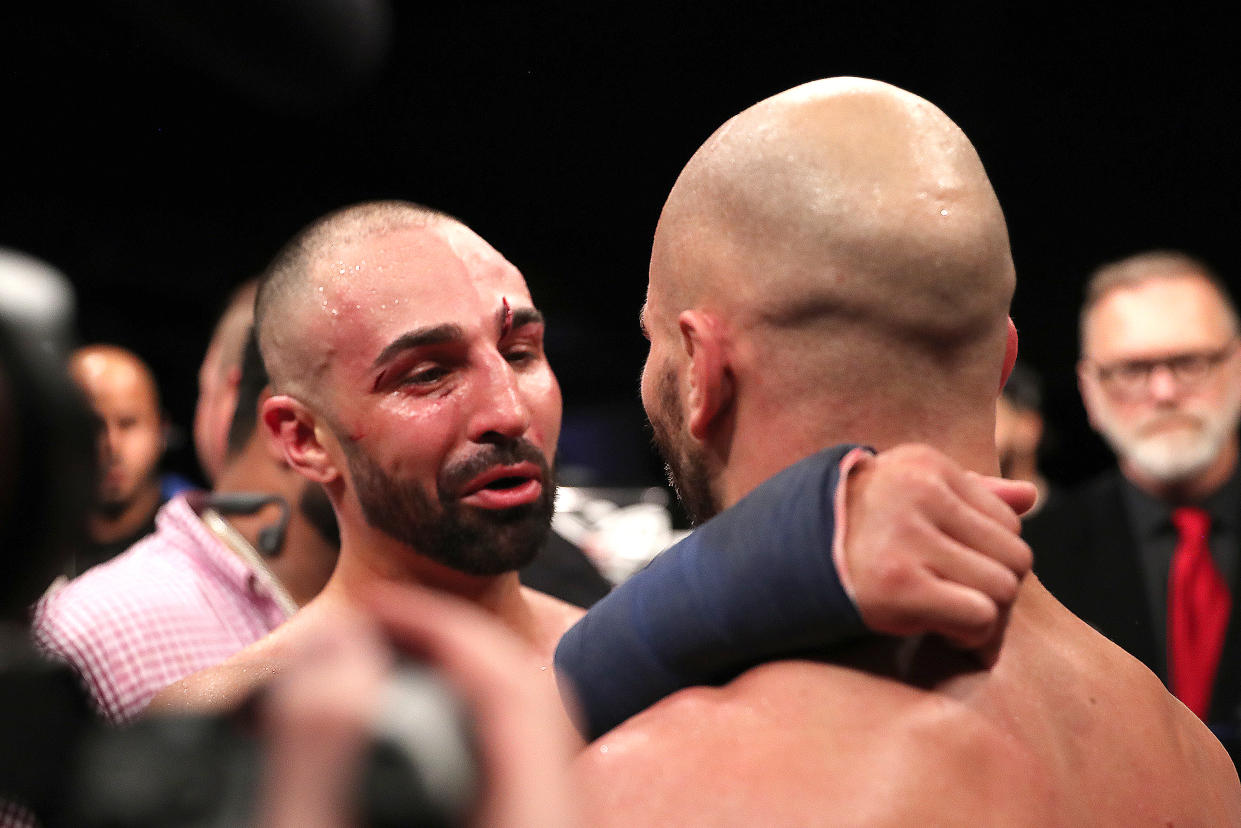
(1172, 457)
(1175, 455)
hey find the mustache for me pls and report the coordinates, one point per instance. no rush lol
(1181, 418)
(456, 476)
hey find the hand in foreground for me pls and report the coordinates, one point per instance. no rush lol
(318, 715)
(930, 547)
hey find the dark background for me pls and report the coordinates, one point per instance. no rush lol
(160, 153)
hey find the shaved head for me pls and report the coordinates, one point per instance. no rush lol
(831, 264)
(843, 207)
(406, 358)
(93, 366)
(122, 392)
(299, 276)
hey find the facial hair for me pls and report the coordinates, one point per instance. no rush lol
(1174, 456)
(687, 473)
(466, 539)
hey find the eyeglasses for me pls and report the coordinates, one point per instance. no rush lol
(1130, 378)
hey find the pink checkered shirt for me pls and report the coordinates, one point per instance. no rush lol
(174, 603)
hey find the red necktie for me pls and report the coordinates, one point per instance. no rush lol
(1198, 606)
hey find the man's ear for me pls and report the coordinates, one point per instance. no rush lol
(710, 384)
(292, 425)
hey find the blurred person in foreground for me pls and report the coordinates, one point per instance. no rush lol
(833, 265)
(1149, 552)
(47, 480)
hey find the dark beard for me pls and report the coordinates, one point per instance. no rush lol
(466, 539)
(687, 474)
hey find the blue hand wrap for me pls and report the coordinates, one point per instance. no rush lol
(752, 584)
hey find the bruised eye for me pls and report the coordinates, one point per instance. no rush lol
(517, 356)
(426, 376)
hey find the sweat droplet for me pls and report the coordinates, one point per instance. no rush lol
(943, 212)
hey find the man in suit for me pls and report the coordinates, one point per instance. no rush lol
(1161, 381)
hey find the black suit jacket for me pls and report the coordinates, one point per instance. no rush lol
(1086, 555)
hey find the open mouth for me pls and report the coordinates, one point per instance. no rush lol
(504, 487)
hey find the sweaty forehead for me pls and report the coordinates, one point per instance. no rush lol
(369, 290)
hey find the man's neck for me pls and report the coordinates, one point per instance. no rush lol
(369, 557)
(774, 442)
(132, 517)
(1193, 489)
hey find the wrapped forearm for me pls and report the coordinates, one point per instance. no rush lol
(756, 582)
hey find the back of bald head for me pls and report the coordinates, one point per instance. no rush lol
(843, 219)
(289, 283)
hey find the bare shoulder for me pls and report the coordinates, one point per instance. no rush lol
(226, 685)
(552, 616)
(790, 742)
(219, 688)
(1066, 729)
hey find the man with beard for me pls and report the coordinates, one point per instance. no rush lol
(1149, 552)
(833, 266)
(407, 358)
(219, 572)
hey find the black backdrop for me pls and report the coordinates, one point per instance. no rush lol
(157, 174)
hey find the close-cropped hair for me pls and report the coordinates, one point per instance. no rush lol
(289, 271)
(249, 389)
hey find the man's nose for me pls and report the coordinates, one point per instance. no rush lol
(1162, 384)
(501, 411)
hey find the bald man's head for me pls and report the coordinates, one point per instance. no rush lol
(843, 206)
(121, 389)
(832, 265)
(301, 275)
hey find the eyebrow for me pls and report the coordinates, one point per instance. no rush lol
(448, 332)
(436, 335)
(524, 316)
(509, 318)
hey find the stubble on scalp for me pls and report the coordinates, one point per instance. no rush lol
(297, 277)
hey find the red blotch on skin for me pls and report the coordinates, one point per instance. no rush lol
(508, 318)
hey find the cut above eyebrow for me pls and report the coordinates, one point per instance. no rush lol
(437, 335)
(525, 316)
